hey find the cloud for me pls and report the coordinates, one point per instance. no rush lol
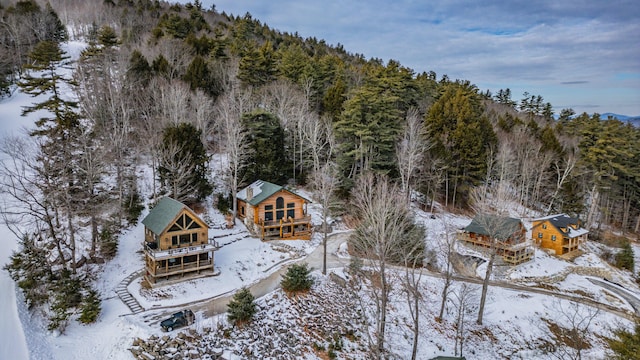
(532, 44)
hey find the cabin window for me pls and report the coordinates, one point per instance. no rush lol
(242, 210)
(185, 239)
(291, 213)
(268, 207)
(174, 240)
(280, 203)
(539, 235)
(194, 237)
(279, 214)
(268, 216)
(553, 238)
(544, 226)
(291, 205)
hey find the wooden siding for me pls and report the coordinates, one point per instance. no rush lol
(287, 198)
(513, 253)
(278, 225)
(561, 245)
(164, 258)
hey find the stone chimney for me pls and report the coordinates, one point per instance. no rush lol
(249, 193)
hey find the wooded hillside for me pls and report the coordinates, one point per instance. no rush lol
(168, 86)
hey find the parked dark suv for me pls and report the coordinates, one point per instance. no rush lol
(177, 320)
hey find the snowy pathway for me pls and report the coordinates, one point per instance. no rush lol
(13, 344)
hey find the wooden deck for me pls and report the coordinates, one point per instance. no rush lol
(286, 229)
(512, 254)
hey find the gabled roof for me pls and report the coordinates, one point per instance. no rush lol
(562, 221)
(262, 190)
(163, 214)
(501, 227)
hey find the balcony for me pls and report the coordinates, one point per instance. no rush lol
(518, 258)
(298, 228)
(156, 254)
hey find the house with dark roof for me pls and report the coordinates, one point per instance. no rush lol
(176, 242)
(504, 234)
(272, 212)
(560, 233)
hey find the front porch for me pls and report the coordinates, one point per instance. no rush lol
(163, 264)
(285, 229)
(512, 254)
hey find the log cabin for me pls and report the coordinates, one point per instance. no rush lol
(272, 212)
(560, 234)
(176, 242)
(506, 235)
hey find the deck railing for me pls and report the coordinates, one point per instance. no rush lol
(183, 268)
(157, 254)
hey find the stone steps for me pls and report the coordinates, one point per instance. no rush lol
(125, 296)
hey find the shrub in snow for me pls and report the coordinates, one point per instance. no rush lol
(90, 308)
(242, 307)
(624, 259)
(297, 278)
(626, 344)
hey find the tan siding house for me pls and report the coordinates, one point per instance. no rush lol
(176, 242)
(272, 212)
(559, 233)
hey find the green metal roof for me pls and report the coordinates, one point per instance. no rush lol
(162, 215)
(267, 189)
(500, 227)
(262, 190)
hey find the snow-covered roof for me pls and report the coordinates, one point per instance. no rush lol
(564, 221)
(575, 233)
(261, 190)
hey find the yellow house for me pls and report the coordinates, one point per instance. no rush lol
(272, 212)
(559, 233)
(176, 242)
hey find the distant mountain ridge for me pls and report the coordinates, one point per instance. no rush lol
(634, 120)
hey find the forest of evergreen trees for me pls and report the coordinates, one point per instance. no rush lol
(168, 86)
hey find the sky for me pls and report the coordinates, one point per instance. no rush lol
(578, 54)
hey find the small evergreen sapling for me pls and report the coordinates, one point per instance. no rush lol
(624, 259)
(297, 279)
(90, 307)
(242, 307)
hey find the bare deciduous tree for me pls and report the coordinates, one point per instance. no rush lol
(488, 202)
(230, 108)
(413, 259)
(570, 335)
(319, 138)
(287, 101)
(325, 182)
(447, 250)
(31, 198)
(178, 167)
(464, 299)
(410, 150)
(380, 237)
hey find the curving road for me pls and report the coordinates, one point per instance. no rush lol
(218, 305)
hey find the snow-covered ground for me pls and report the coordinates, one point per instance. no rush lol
(13, 342)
